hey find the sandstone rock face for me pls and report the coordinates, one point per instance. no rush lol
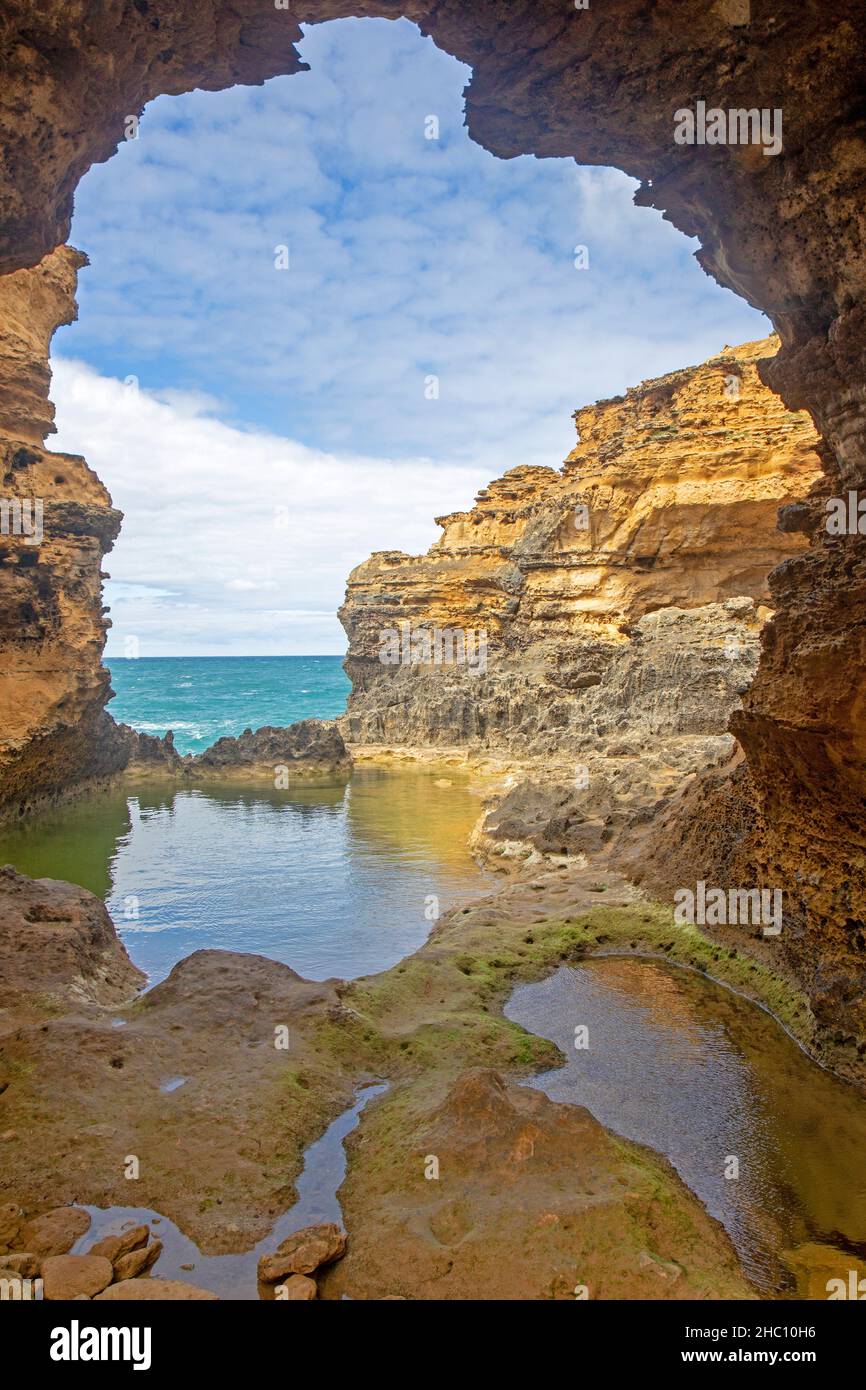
(57, 524)
(578, 579)
(600, 85)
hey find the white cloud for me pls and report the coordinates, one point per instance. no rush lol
(227, 519)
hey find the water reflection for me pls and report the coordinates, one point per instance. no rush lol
(234, 1276)
(330, 878)
(705, 1077)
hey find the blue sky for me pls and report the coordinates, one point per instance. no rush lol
(283, 426)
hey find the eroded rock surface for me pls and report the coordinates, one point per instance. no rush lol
(600, 85)
(578, 580)
(57, 524)
(58, 942)
(304, 749)
(532, 1200)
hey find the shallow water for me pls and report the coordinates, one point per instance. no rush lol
(702, 1075)
(234, 1276)
(332, 879)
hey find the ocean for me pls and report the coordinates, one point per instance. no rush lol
(203, 698)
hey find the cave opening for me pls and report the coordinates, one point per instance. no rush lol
(709, 718)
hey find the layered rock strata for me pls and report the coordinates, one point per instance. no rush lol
(620, 598)
(601, 85)
(56, 524)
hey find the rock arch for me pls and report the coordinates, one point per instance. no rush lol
(600, 84)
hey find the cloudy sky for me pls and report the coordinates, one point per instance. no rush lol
(263, 428)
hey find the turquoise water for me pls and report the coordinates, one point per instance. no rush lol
(203, 698)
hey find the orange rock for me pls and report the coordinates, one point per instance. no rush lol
(67, 1276)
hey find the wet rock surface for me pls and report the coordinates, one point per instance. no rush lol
(530, 1200)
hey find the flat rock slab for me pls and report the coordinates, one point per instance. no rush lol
(130, 1290)
(68, 1276)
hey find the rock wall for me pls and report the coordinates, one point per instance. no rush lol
(56, 524)
(619, 598)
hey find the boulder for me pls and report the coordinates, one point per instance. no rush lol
(303, 1252)
(115, 1247)
(298, 1288)
(165, 1289)
(67, 1276)
(54, 1232)
(137, 1262)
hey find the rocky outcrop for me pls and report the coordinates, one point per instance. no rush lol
(58, 941)
(308, 748)
(602, 85)
(291, 1266)
(532, 1200)
(551, 617)
(621, 602)
(56, 524)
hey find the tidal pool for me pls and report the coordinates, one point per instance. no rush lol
(706, 1077)
(333, 879)
(234, 1276)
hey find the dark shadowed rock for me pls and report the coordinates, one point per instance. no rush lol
(311, 746)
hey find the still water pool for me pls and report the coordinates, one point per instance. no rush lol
(332, 879)
(705, 1077)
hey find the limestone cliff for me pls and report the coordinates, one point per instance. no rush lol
(620, 597)
(57, 523)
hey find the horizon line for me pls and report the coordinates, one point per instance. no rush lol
(231, 656)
